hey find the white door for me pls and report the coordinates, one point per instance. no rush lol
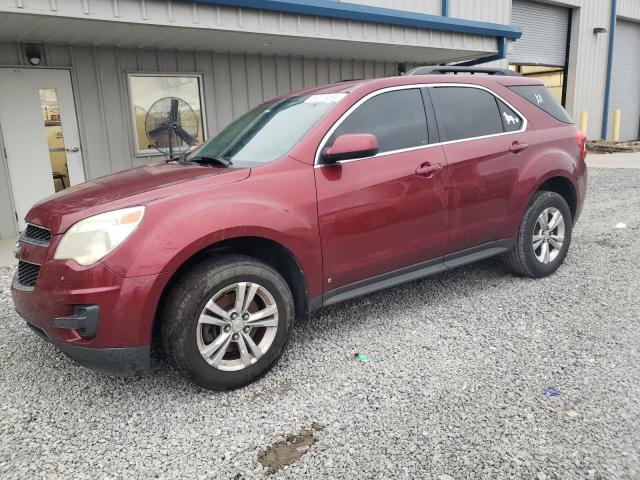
(40, 133)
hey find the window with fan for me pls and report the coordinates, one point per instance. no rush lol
(167, 112)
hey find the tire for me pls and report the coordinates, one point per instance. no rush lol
(187, 341)
(528, 261)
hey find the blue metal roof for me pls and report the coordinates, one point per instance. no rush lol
(365, 13)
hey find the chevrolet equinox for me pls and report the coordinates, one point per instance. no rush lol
(310, 199)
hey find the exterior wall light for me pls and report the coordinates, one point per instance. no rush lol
(33, 53)
(598, 30)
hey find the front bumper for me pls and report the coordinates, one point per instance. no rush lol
(123, 361)
(119, 341)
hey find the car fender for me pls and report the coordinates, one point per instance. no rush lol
(540, 167)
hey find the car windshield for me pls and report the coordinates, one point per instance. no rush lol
(267, 132)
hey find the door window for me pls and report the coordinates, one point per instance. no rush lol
(465, 112)
(55, 139)
(396, 118)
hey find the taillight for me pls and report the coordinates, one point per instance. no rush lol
(581, 140)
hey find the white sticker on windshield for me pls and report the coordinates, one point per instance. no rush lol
(325, 98)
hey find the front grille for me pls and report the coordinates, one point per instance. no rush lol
(27, 273)
(36, 235)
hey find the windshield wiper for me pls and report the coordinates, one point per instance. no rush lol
(211, 159)
(176, 158)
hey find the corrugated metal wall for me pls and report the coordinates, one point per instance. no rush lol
(496, 11)
(422, 6)
(625, 85)
(232, 85)
(588, 62)
(629, 9)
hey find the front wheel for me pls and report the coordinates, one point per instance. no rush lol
(227, 321)
(543, 238)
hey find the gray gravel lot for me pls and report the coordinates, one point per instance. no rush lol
(453, 389)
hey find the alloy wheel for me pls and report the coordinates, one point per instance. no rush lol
(237, 326)
(548, 235)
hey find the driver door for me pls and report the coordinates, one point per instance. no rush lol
(387, 212)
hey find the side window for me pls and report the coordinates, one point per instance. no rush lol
(542, 98)
(465, 112)
(511, 121)
(396, 118)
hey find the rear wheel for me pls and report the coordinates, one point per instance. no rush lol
(543, 238)
(227, 322)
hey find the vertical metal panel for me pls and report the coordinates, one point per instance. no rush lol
(629, 9)
(420, 6)
(222, 79)
(268, 71)
(295, 67)
(544, 33)
(497, 11)
(89, 99)
(254, 85)
(625, 86)
(588, 63)
(116, 118)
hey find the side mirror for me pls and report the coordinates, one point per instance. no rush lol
(350, 146)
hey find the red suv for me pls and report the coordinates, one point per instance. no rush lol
(310, 199)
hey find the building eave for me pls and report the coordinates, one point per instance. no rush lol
(365, 13)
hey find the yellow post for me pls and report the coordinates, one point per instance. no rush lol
(584, 118)
(616, 125)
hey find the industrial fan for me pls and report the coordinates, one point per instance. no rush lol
(171, 126)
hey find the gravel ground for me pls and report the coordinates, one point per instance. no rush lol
(453, 388)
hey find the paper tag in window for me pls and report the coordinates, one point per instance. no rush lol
(325, 98)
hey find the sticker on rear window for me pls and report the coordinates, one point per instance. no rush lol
(325, 98)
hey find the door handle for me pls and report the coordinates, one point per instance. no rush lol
(73, 149)
(427, 169)
(516, 146)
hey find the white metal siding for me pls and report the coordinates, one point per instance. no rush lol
(625, 85)
(233, 83)
(544, 33)
(161, 24)
(496, 11)
(432, 7)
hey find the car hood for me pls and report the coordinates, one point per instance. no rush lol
(135, 186)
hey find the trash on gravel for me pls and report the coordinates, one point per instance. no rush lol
(565, 413)
(362, 357)
(621, 225)
(551, 392)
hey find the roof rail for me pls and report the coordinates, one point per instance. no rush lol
(436, 70)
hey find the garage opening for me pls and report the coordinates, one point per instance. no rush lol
(543, 50)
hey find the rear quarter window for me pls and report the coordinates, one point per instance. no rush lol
(465, 112)
(542, 98)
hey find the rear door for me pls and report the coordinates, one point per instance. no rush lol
(382, 213)
(485, 142)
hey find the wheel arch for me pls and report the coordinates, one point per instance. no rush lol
(270, 251)
(563, 186)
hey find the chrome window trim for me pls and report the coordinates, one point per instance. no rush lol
(343, 117)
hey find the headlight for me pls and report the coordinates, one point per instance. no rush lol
(90, 239)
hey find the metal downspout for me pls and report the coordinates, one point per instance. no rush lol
(444, 11)
(607, 87)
